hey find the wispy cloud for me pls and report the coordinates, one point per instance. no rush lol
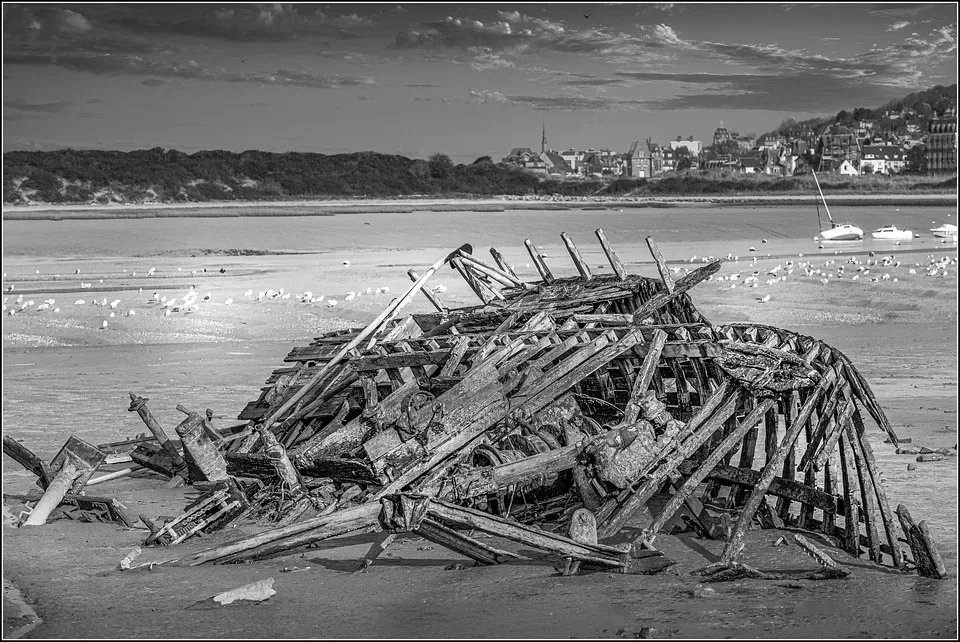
(900, 24)
(42, 108)
(188, 70)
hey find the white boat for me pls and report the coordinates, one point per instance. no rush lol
(945, 231)
(837, 231)
(892, 233)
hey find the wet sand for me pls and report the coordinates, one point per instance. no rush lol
(63, 374)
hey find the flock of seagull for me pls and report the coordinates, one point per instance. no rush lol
(853, 269)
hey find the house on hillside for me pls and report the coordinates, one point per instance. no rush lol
(750, 165)
(942, 143)
(555, 164)
(884, 159)
(525, 158)
(847, 168)
(573, 158)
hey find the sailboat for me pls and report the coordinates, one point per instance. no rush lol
(837, 232)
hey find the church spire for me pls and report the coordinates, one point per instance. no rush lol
(543, 138)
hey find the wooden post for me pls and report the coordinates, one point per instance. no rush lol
(26, 458)
(494, 273)
(59, 487)
(578, 261)
(660, 300)
(645, 375)
(886, 515)
(612, 257)
(502, 263)
(661, 264)
(538, 261)
(203, 451)
(867, 494)
(478, 287)
(851, 501)
(431, 296)
(114, 475)
(139, 405)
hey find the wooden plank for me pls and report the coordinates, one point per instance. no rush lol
(427, 292)
(454, 357)
(779, 487)
(502, 263)
(886, 515)
(662, 299)
(484, 292)
(578, 261)
(925, 554)
(612, 257)
(867, 494)
(492, 272)
(386, 360)
(26, 458)
(538, 262)
(644, 376)
(460, 543)
(851, 520)
(661, 265)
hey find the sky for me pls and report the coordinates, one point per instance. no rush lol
(464, 79)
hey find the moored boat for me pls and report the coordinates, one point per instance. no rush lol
(946, 230)
(837, 231)
(892, 233)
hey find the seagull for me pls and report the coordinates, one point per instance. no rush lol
(228, 302)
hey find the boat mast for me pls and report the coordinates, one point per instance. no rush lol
(832, 224)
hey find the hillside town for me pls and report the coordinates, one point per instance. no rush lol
(862, 149)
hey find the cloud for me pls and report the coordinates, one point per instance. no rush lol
(896, 26)
(43, 20)
(42, 108)
(189, 70)
(352, 21)
(424, 99)
(487, 96)
(363, 98)
(592, 82)
(346, 56)
(487, 61)
(902, 10)
(419, 85)
(154, 82)
(571, 103)
(96, 101)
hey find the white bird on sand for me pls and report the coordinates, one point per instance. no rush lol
(331, 303)
(248, 293)
(114, 304)
(350, 297)
(753, 249)
(228, 302)
(346, 262)
(763, 240)
(318, 299)
(166, 313)
(113, 314)
(104, 325)
(765, 299)
(283, 297)
(131, 313)
(58, 309)
(79, 302)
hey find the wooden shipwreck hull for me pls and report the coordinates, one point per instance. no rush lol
(573, 400)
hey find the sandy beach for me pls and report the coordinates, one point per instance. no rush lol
(65, 374)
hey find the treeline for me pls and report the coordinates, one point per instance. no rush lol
(158, 175)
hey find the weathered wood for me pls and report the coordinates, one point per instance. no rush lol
(600, 554)
(139, 405)
(771, 467)
(455, 357)
(117, 474)
(497, 275)
(399, 360)
(388, 313)
(277, 454)
(53, 495)
(864, 394)
(538, 262)
(851, 519)
(705, 426)
(483, 291)
(427, 292)
(644, 376)
(692, 481)
(26, 458)
(835, 430)
(462, 544)
(867, 494)
(925, 554)
(203, 451)
(662, 299)
(661, 264)
(779, 487)
(886, 515)
(814, 551)
(578, 261)
(612, 257)
(502, 263)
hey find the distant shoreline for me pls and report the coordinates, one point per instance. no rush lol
(50, 211)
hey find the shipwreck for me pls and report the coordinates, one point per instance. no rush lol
(552, 413)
